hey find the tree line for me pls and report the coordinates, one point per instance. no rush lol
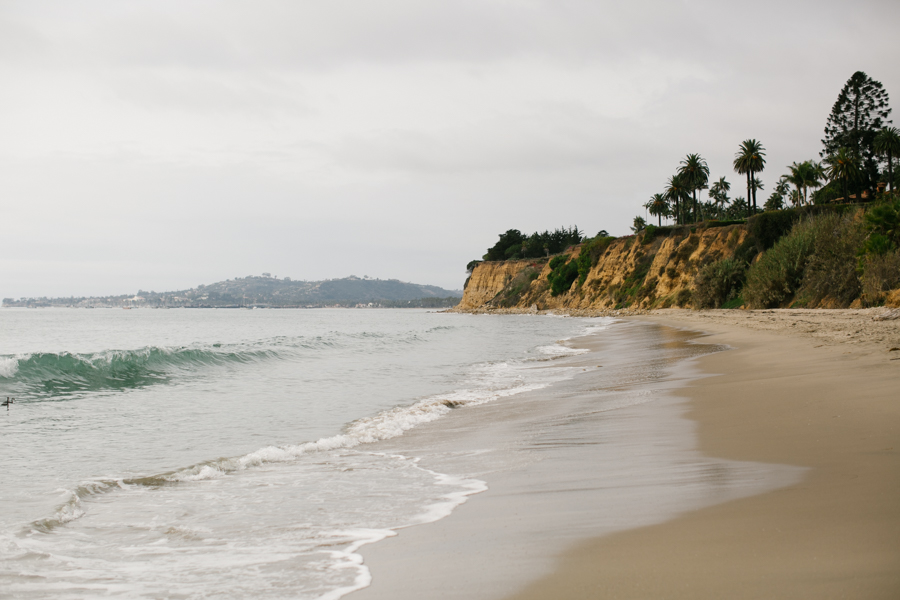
(514, 245)
(859, 150)
(856, 164)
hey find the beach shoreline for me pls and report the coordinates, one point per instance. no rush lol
(817, 389)
(436, 560)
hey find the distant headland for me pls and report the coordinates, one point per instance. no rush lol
(267, 291)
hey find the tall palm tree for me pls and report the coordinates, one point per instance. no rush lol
(719, 192)
(844, 167)
(658, 207)
(695, 173)
(677, 192)
(755, 184)
(795, 178)
(816, 176)
(749, 160)
(888, 142)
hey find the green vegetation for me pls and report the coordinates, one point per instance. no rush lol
(564, 272)
(514, 245)
(779, 272)
(749, 160)
(860, 112)
(883, 222)
(824, 258)
(694, 172)
(562, 275)
(858, 141)
(887, 144)
(719, 282)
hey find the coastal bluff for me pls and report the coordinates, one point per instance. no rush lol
(657, 268)
(642, 271)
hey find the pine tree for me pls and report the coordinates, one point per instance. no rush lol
(860, 112)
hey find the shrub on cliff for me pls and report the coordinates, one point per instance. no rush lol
(832, 271)
(881, 273)
(562, 275)
(591, 251)
(817, 260)
(769, 227)
(719, 282)
(883, 223)
(777, 275)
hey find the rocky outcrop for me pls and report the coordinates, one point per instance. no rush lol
(636, 272)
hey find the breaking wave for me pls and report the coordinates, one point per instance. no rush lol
(65, 373)
(505, 381)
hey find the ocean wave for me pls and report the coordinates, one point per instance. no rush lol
(64, 374)
(44, 374)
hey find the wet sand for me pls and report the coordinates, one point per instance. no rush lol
(607, 451)
(818, 389)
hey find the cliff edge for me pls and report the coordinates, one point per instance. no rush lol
(645, 271)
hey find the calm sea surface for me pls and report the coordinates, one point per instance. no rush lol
(229, 453)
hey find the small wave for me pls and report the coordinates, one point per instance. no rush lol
(63, 374)
(382, 426)
(45, 374)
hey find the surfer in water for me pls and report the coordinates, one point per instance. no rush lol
(8, 402)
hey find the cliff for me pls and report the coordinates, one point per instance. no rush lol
(636, 272)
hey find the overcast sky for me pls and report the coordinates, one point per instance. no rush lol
(160, 145)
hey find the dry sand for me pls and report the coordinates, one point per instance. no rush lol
(819, 389)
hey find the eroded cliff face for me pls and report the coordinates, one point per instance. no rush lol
(634, 272)
(487, 281)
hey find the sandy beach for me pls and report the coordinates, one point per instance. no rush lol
(788, 485)
(819, 389)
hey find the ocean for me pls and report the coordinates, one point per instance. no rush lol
(239, 453)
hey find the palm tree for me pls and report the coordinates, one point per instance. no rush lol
(795, 178)
(781, 187)
(695, 173)
(815, 178)
(719, 192)
(738, 207)
(843, 167)
(755, 184)
(803, 176)
(677, 192)
(888, 142)
(658, 207)
(749, 160)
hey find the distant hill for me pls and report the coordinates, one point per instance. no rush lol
(271, 292)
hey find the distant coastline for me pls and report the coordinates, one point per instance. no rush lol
(267, 291)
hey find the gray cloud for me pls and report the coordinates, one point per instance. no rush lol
(165, 144)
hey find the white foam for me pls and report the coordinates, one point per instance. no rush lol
(8, 366)
(560, 350)
(350, 557)
(497, 380)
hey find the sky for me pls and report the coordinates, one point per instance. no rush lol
(159, 145)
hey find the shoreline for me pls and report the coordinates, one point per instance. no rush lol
(607, 451)
(817, 389)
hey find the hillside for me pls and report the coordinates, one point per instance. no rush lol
(267, 291)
